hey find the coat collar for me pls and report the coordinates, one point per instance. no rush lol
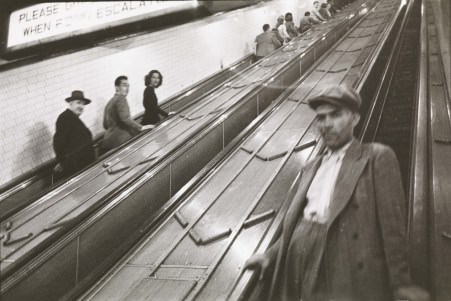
(352, 167)
(72, 114)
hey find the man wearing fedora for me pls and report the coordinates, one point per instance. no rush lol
(73, 140)
(343, 237)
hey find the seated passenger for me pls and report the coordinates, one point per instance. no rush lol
(307, 22)
(343, 236)
(266, 42)
(150, 101)
(117, 121)
(325, 12)
(315, 12)
(73, 140)
(289, 24)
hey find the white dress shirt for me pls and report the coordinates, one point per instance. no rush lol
(322, 187)
(283, 31)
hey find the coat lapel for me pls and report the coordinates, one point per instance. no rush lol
(292, 216)
(351, 169)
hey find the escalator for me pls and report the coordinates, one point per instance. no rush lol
(78, 231)
(196, 252)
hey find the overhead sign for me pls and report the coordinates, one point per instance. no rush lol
(51, 21)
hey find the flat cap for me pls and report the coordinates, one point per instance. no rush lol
(337, 95)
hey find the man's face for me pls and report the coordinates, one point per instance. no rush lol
(316, 5)
(279, 21)
(123, 87)
(336, 124)
(77, 106)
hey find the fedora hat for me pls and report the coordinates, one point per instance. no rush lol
(78, 95)
(338, 95)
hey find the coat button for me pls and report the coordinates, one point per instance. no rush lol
(355, 236)
(360, 265)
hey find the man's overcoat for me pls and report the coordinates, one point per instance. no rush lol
(365, 256)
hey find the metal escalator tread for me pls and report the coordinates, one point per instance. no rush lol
(396, 123)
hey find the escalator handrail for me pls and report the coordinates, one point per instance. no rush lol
(417, 228)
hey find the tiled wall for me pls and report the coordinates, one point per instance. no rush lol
(32, 96)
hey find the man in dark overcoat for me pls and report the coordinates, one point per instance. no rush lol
(72, 141)
(343, 237)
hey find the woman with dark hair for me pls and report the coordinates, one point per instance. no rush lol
(289, 24)
(150, 101)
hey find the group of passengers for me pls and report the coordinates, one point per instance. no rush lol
(285, 29)
(73, 141)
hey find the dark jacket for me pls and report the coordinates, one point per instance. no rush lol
(118, 123)
(72, 143)
(365, 257)
(291, 29)
(325, 13)
(278, 36)
(152, 109)
(306, 23)
(267, 42)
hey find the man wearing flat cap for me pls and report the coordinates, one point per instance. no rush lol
(73, 140)
(343, 237)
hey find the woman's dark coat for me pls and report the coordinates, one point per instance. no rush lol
(150, 103)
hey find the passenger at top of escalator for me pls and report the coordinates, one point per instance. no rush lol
(266, 42)
(152, 111)
(342, 3)
(289, 24)
(117, 121)
(324, 11)
(282, 29)
(72, 141)
(332, 7)
(343, 235)
(276, 30)
(315, 11)
(307, 22)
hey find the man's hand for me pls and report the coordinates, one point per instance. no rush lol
(411, 293)
(257, 262)
(172, 113)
